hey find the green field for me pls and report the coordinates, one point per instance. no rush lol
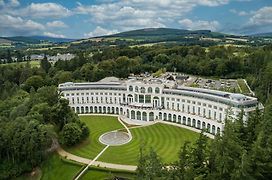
(165, 139)
(98, 125)
(55, 168)
(32, 64)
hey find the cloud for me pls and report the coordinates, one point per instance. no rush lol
(49, 34)
(199, 24)
(259, 21)
(43, 10)
(131, 14)
(56, 24)
(99, 31)
(261, 17)
(14, 3)
(10, 3)
(241, 13)
(16, 25)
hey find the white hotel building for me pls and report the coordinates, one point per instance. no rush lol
(150, 99)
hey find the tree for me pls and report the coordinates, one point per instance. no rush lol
(71, 134)
(35, 81)
(45, 64)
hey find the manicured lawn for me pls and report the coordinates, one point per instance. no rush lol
(97, 125)
(166, 140)
(103, 174)
(54, 168)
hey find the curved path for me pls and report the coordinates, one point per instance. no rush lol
(82, 160)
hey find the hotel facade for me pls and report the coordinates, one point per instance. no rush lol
(153, 99)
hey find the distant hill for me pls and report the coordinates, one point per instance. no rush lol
(150, 36)
(164, 32)
(268, 34)
(35, 39)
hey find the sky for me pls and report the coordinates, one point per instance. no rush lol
(90, 18)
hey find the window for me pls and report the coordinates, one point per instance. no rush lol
(136, 97)
(141, 98)
(142, 90)
(136, 89)
(157, 90)
(130, 88)
(147, 98)
(149, 90)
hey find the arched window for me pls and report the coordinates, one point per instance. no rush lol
(175, 118)
(218, 130)
(209, 127)
(198, 124)
(136, 89)
(203, 125)
(213, 129)
(138, 115)
(169, 117)
(164, 116)
(142, 90)
(157, 90)
(194, 123)
(189, 122)
(130, 88)
(184, 120)
(151, 116)
(160, 115)
(132, 114)
(179, 119)
(149, 90)
(144, 116)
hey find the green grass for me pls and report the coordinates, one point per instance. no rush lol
(99, 173)
(243, 86)
(166, 140)
(98, 125)
(55, 168)
(32, 63)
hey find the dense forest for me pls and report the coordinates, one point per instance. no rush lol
(33, 114)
